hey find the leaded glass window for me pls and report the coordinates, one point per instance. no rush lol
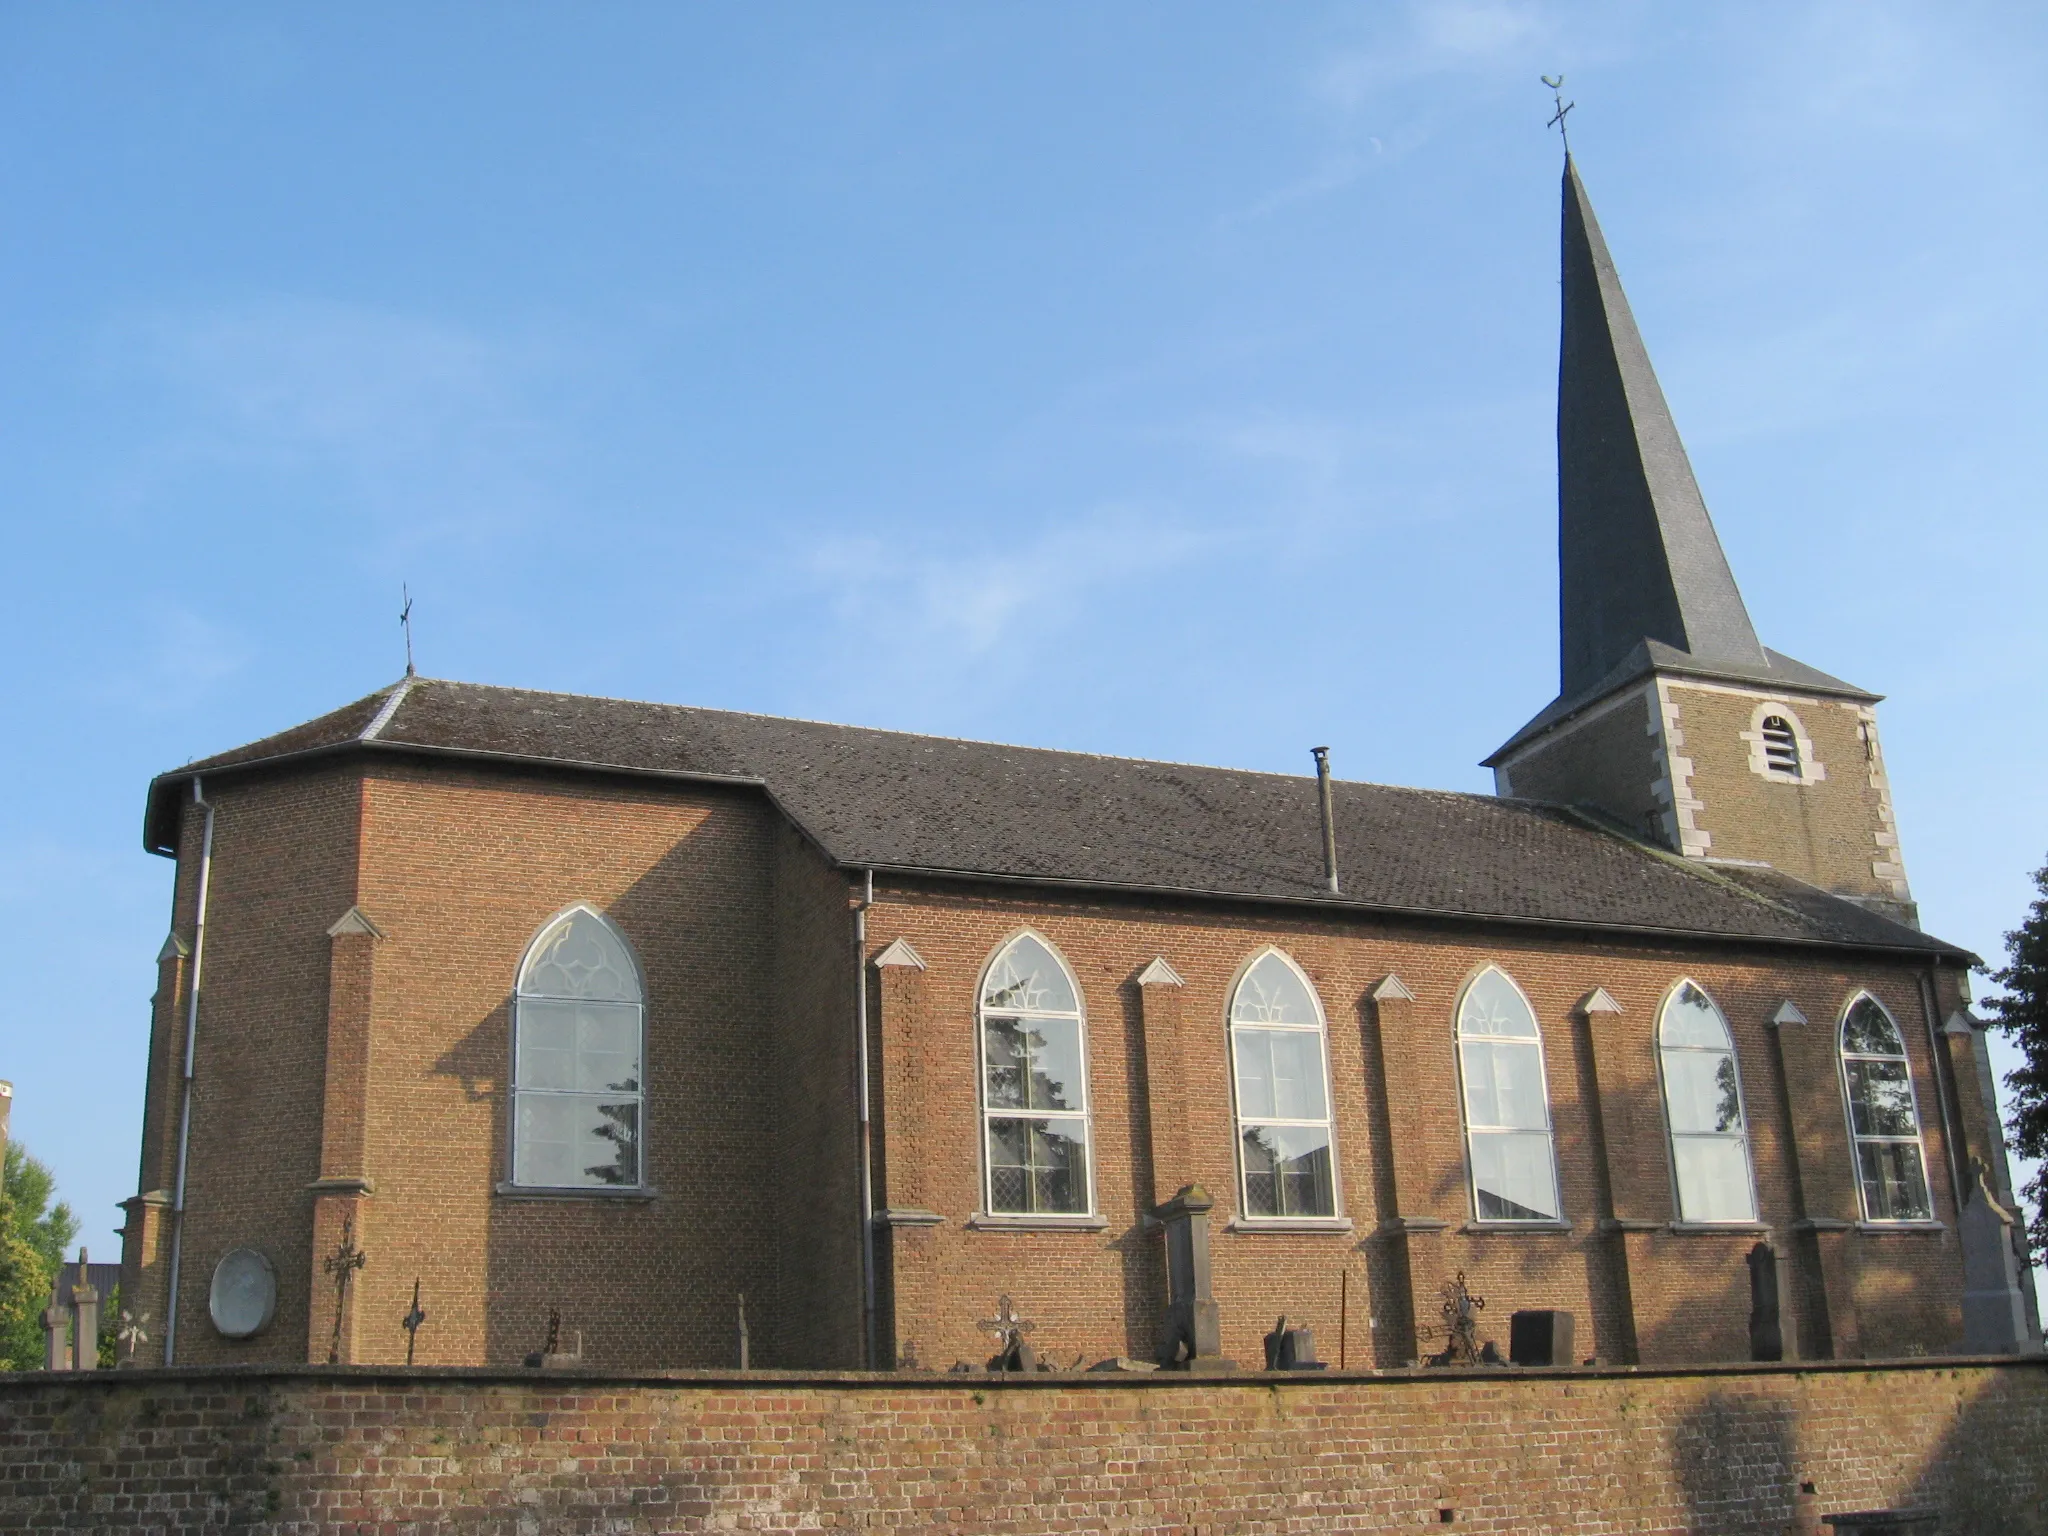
(1283, 1092)
(1507, 1103)
(1034, 1069)
(577, 1030)
(1703, 1108)
(1884, 1116)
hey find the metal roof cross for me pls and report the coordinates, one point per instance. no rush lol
(1563, 109)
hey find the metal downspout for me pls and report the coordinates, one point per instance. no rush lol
(191, 1046)
(867, 1164)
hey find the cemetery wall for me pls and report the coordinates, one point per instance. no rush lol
(1703, 1451)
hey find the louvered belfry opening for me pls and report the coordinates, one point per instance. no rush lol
(1781, 747)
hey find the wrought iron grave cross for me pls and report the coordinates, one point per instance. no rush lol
(412, 1320)
(343, 1264)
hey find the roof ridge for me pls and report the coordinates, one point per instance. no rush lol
(398, 693)
(964, 741)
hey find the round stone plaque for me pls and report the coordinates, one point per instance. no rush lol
(244, 1294)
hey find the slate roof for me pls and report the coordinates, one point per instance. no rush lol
(898, 802)
(1643, 583)
(1637, 553)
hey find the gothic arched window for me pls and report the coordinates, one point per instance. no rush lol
(1034, 1074)
(577, 1027)
(1507, 1103)
(1703, 1108)
(1283, 1092)
(1884, 1115)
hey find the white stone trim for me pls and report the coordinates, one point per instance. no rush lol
(1160, 974)
(900, 953)
(1887, 865)
(1811, 769)
(1675, 787)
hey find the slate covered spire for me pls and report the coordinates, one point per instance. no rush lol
(1637, 553)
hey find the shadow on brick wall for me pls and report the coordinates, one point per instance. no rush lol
(1725, 1451)
(656, 1281)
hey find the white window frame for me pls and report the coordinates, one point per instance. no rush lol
(989, 1114)
(1919, 1136)
(1458, 1039)
(1239, 1121)
(1672, 1134)
(512, 1097)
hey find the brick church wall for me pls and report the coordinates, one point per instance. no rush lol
(745, 934)
(1823, 831)
(1608, 759)
(283, 869)
(1711, 1452)
(1669, 1296)
(815, 1315)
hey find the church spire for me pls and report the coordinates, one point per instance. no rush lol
(1637, 553)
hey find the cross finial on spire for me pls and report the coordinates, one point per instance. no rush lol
(405, 623)
(1563, 109)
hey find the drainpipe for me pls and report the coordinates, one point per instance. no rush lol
(1941, 1091)
(191, 1046)
(867, 1164)
(1322, 756)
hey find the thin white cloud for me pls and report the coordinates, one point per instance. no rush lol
(176, 658)
(421, 427)
(975, 602)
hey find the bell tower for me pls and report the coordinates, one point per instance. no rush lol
(1672, 719)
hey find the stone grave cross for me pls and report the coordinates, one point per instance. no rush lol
(1012, 1353)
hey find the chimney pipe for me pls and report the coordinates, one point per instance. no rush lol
(1322, 755)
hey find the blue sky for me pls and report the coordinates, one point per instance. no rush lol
(1172, 380)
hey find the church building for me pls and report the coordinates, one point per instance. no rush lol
(590, 1017)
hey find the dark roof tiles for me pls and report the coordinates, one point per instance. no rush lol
(890, 800)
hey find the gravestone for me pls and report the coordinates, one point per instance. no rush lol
(1012, 1353)
(1192, 1330)
(242, 1299)
(1766, 1331)
(1994, 1310)
(1291, 1349)
(71, 1322)
(1539, 1337)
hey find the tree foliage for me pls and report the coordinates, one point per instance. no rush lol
(34, 1232)
(2022, 1014)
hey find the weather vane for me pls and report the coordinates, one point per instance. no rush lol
(405, 623)
(1563, 108)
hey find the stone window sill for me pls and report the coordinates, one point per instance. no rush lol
(907, 1216)
(1288, 1224)
(511, 1191)
(1888, 1228)
(1516, 1226)
(1720, 1228)
(997, 1221)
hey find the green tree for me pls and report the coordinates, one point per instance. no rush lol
(2022, 1013)
(34, 1233)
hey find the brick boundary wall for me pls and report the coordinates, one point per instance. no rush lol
(370, 1449)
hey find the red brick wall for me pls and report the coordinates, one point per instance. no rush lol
(1098, 1293)
(1709, 1453)
(461, 871)
(284, 868)
(745, 935)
